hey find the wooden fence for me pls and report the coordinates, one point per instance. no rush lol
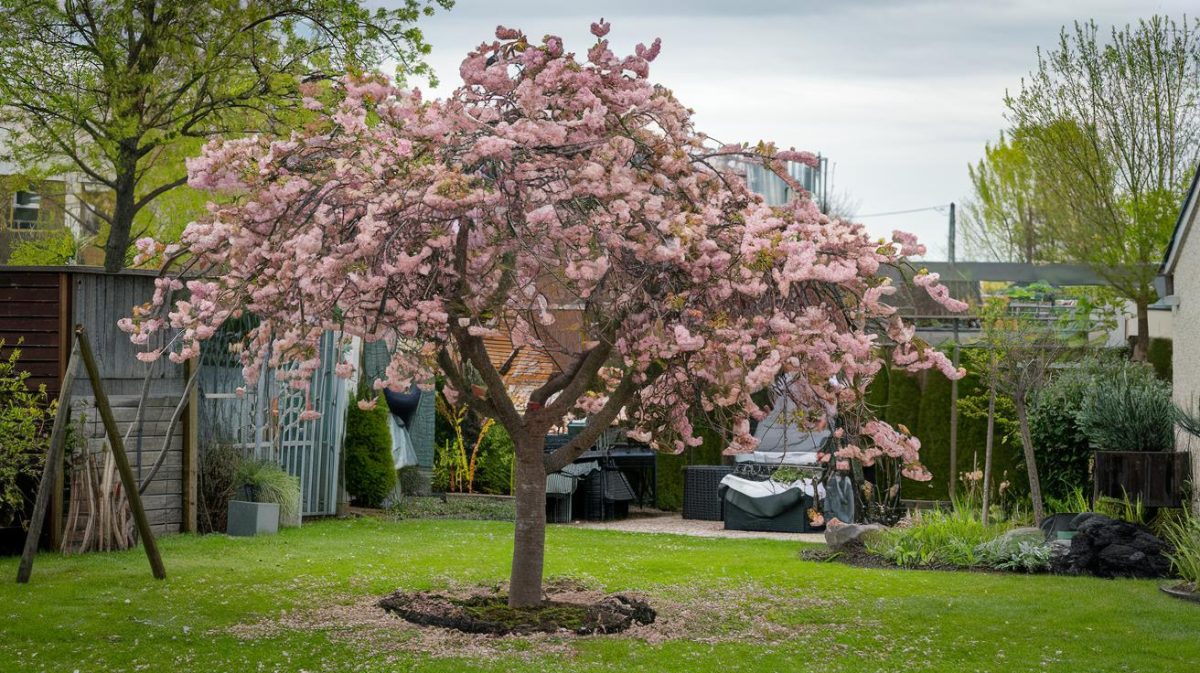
(39, 307)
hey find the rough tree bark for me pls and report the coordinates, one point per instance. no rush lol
(529, 541)
(1035, 486)
(124, 209)
(1141, 342)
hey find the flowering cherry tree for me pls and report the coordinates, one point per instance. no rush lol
(548, 188)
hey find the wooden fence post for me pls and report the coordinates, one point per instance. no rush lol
(50, 477)
(191, 453)
(128, 482)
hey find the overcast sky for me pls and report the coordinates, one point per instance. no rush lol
(900, 95)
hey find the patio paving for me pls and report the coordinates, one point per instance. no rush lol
(653, 521)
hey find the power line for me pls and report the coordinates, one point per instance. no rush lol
(941, 207)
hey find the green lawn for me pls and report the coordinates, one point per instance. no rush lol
(729, 605)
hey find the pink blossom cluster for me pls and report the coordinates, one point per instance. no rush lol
(548, 195)
(880, 440)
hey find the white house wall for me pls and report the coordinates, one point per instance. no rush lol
(1186, 346)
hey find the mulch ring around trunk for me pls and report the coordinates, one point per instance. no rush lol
(579, 612)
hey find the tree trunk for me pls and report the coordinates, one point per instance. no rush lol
(119, 230)
(1141, 342)
(987, 454)
(1035, 485)
(529, 543)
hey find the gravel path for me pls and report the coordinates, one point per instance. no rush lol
(672, 523)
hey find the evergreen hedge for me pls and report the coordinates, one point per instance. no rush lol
(1159, 355)
(370, 470)
(668, 468)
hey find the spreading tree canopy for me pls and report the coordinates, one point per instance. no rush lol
(567, 204)
(1112, 128)
(108, 88)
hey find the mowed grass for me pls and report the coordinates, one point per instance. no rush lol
(103, 612)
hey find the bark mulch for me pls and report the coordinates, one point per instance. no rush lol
(581, 613)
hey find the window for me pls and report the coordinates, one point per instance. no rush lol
(26, 210)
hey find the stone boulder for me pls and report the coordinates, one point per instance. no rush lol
(1105, 547)
(838, 535)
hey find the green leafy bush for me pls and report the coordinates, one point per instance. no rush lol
(934, 538)
(370, 469)
(268, 482)
(25, 418)
(1014, 554)
(494, 463)
(1129, 411)
(1060, 444)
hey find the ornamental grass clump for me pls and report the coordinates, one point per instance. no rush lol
(1183, 533)
(1129, 411)
(268, 482)
(934, 538)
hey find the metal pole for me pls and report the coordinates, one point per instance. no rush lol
(953, 384)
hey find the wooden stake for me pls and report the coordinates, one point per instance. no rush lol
(54, 458)
(118, 451)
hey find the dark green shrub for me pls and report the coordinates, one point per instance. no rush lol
(1130, 410)
(219, 466)
(668, 469)
(1159, 356)
(494, 464)
(1060, 444)
(904, 400)
(370, 469)
(410, 479)
(933, 429)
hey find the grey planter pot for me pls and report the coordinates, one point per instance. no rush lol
(290, 522)
(247, 519)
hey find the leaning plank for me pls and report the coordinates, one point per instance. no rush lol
(170, 430)
(122, 461)
(54, 458)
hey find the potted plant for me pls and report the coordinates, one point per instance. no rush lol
(270, 498)
(1130, 421)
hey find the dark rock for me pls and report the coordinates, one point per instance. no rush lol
(1105, 547)
(838, 536)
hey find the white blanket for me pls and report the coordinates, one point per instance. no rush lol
(760, 489)
(779, 457)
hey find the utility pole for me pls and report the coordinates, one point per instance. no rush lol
(953, 384)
